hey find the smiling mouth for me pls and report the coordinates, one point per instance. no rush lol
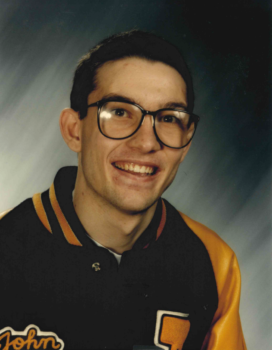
(136, 169)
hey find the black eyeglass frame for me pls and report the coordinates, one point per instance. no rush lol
(99, 104)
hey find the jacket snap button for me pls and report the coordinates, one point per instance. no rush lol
(96, 266)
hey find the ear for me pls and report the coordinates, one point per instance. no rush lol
(70, 127)
(185, 151)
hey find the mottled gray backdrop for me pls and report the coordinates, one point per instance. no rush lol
(225, 180)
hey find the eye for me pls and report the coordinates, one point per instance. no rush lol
(169, 119)
(120, 112)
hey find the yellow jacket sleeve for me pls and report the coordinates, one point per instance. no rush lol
(226, 331)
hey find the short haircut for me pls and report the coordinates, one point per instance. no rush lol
(134, 43)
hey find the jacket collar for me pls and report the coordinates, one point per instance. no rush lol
(55, 210)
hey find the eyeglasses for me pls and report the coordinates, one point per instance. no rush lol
(119, 120)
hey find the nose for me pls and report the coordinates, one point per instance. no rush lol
(145, 139)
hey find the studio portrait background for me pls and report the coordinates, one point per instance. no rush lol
(225, 180)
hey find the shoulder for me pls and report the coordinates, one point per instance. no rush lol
(20, 220)
(4, 213)
(223, 258)
(212, 241)
(22, 210)
(198, 235)
(214, 244)
(23, 238)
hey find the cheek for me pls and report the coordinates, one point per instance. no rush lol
(96, 149)
(88, 149)
(173, 172)
(174, 158)
(173, 165)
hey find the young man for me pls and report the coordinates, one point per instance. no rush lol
(100, 260)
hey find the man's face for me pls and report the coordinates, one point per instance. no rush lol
(152, 85)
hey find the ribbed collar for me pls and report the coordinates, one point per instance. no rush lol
(58, 199)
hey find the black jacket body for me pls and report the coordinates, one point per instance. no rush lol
(48, 282)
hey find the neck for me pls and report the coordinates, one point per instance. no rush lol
(113, 228)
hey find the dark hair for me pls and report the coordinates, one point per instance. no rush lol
(134, 43)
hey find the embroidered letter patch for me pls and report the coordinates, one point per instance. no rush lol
(172, 329)
(31, 338)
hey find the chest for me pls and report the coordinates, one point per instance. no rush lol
(91, 302)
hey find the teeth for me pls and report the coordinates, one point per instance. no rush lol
(135, 168)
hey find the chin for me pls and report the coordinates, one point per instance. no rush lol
(133, 206)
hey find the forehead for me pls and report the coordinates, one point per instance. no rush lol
(146, 82)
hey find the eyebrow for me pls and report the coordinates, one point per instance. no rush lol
(175, 105)
(171, 104)
(112, 97)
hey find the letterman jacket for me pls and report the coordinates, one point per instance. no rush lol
(177, 288)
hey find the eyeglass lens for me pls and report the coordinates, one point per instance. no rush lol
(120, 120)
